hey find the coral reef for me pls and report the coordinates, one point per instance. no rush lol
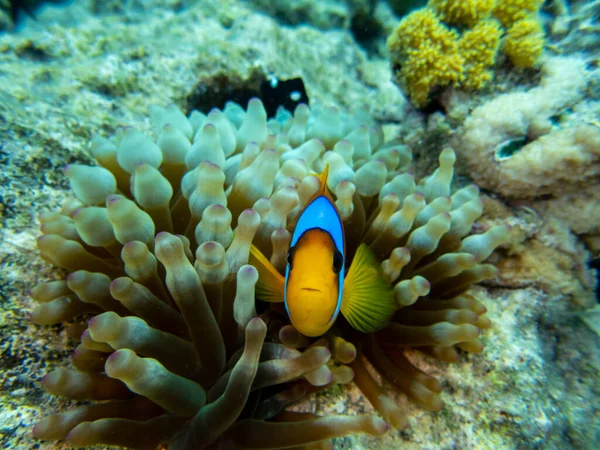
(167, 332)
(574, 27)
(403, 7)
(478, 47)
(429, 54)
(539, 147)
(325, 14)
(524, 42)
(537, 381)
(466, 13)
(510, 11)
(426, 52)
(514, 145)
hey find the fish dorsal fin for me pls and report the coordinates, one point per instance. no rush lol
(323, 190)
(368, 301)
(269, 287)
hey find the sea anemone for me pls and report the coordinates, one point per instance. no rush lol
(175, 349)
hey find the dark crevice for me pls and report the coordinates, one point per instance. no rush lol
(33, 52)
(216, 91)
(511, 147)
(19, 9)
(594, 264)
(286, 93)
(366, 30)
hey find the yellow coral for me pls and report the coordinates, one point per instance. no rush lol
(524, 42)
(427, 53)
(462, 12)
(510, 11)
(478, 47)
(420, 28)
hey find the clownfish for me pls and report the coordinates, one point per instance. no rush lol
(316, 285)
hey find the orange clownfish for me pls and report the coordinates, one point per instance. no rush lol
(315, 287)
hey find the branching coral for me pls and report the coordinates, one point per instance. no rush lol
(524, 42)
(157, 243)
(463, 12)
(510, 11)
(426, 52)
(478, 47)
(429, 54)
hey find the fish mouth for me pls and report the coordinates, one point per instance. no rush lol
(310, 289)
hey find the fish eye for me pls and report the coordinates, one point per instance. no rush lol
(290, 257)
(338, 261)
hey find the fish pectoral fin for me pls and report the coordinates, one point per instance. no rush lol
(368, 300)
(269, 287)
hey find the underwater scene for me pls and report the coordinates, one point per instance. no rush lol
(311, 224)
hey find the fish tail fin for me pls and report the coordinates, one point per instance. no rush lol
(269, 287)
(368, 301)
